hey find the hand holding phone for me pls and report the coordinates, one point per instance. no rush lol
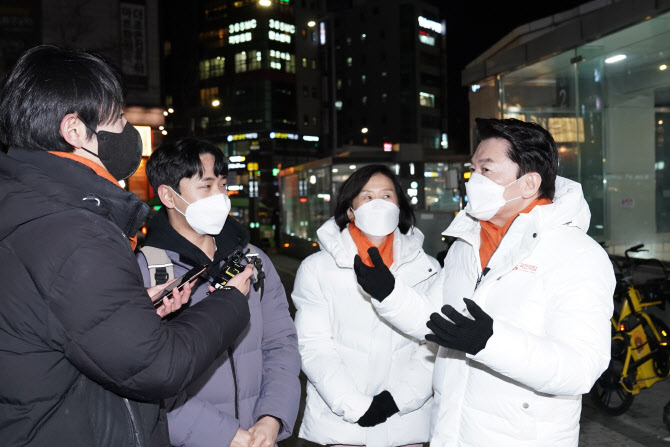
(178, 284)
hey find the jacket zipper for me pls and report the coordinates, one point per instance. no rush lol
(486, 268)
(232, 368)
(133, 424)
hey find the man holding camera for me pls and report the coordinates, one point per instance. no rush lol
(250, 395)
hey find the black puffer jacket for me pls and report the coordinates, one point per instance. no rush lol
(83, 356)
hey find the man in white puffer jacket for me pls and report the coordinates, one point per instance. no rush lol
(528, 330)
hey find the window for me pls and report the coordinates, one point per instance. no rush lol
(305, 91)
(304, 62)
(363, 79)
(305, 120)
(339, 84)
(241, 62)
(207, 95)
(363, 36)
(212, 68)
(426, 99)
(315, 121)
(350, 61)
(384, 97)
(364, 100)
(290, 64)
(255, 60)
(349, 41)
(313, 64)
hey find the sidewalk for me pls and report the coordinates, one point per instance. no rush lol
(640, 426)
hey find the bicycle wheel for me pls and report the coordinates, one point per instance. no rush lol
(607, 393)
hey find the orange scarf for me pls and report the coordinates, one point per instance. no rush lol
(363, 243)
(101, 171)
(491, 234)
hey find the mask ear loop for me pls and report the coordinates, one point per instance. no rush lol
(175, 207)
(352, 219)
(519, 197)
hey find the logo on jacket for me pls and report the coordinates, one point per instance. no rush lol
(526, 268)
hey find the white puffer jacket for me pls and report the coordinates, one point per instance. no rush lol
(349, 354)
(549, 292)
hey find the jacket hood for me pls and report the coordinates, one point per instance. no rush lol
(35, 184)
(567, 208)
(161, 234)
(342, 247)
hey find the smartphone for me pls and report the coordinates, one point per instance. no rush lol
(179, 284)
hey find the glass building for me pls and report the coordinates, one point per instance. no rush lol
(597, 78)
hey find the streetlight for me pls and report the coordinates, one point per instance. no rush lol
(170, 110)
(265, 3)
(364, 130)
(228, 118)
(216, 103)
(311, 23)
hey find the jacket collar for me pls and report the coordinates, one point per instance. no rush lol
(569, 208)
(161, 234)
(45, 183)
(341, 246)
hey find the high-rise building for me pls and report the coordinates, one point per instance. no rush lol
(244, 75)
(389, 73)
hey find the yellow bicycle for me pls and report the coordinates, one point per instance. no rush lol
(640, 351)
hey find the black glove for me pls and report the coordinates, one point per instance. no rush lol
(382, 407)
(378, 281)
(463, 334)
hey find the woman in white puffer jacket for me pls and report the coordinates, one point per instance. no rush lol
(368, 384)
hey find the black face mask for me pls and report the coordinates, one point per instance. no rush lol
(120, 153)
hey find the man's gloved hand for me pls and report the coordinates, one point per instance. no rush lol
(378, 281)
(463, 334)
(382, 407)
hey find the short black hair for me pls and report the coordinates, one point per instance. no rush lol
(47, 83)
(172, 162)
(354, 185)
(531, 147)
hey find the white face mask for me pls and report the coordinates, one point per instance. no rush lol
(207, 216)
(485, 197)
(378, 217)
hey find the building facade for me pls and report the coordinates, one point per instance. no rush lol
(597, 78)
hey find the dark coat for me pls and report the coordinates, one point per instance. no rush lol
(262, 378)
(83, 355)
